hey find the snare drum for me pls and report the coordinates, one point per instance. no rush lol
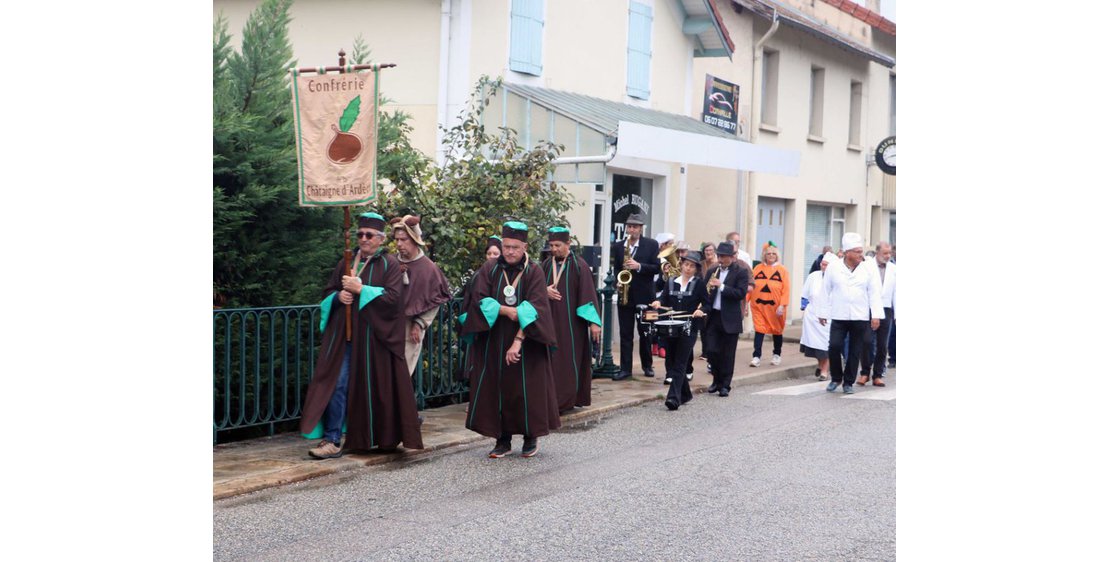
(672, 328)
(645, 322)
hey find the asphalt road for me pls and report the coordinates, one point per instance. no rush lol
(801, 476)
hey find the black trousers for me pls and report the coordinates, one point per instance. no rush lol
(679, 352)
(875, 365)
(721, 348)
(626, 317)
(893, 339)
(776, 342)
(860, 332)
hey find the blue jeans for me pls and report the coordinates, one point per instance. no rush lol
(336, 412)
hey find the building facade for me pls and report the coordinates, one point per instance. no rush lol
(623, 85)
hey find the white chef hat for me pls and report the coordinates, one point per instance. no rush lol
(829, 257)
(851, 241)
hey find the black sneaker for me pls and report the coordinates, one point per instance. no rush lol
(531, 447)
(504, 447)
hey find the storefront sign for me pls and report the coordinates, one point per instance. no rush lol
(721, 104)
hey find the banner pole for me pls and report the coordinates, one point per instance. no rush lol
(346, 225)
(347, 269)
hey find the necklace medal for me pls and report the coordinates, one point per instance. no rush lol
(510, 288)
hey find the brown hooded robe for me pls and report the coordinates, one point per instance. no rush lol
(508, 399)
(572, 360)
(381, 406)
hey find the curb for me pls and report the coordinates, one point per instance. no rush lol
(574, 419)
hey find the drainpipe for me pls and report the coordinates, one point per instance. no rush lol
(599, 159)
(444, 68)
(747, 190)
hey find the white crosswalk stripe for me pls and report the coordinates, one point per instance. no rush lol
(876, 394)
(796, 390)
(865, 393)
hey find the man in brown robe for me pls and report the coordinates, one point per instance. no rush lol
(511, 388)
(425, 287)
(570, 286)
(363, 382)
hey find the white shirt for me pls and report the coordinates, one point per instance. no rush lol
(851, 295)
(722, 274)
(632, 252)
(889, 283)
(742, 255)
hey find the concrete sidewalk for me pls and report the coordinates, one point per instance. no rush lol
(257, 464)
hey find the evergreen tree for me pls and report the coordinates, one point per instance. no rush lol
(268, 250)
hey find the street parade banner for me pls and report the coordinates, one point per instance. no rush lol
(335, 124)
(721, 105)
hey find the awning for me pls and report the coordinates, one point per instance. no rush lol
(585, 125)
(658, 143)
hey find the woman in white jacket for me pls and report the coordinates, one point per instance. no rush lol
(815, 337)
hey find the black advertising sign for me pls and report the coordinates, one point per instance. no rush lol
(720, 107)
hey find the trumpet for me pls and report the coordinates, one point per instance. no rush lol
(624, 283)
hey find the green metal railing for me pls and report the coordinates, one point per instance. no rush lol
(263, 359)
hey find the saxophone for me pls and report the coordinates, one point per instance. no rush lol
(624, 278)
(624, 283)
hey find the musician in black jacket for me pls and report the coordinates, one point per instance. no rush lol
(685, 295)
(728, 283)
(642, 260)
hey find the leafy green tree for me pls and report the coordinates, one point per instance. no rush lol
(487, 178)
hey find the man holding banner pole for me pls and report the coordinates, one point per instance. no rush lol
(361, 379)
(363, 384)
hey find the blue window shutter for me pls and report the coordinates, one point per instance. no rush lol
(526, 37)
(639, 50)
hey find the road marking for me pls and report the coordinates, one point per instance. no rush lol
(796, 390)
(813, 387)
(882, 394)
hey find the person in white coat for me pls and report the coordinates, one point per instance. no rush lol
(815, 335)
(873, 362)
(854, 306)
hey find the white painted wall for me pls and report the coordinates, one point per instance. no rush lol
(403, 33)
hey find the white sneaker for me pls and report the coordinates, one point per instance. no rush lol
(755, 362)
(775, 359)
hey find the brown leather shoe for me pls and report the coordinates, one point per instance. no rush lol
(878, 381)
(326, 450)
(862, 380)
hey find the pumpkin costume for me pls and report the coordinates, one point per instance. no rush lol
(772, 289)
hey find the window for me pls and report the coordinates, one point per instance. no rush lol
(854, 113)
(639, 50)
(770, 89)
(837, 226)
(816, 100)
(892, 98)
(526, 37)
(824, 227)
